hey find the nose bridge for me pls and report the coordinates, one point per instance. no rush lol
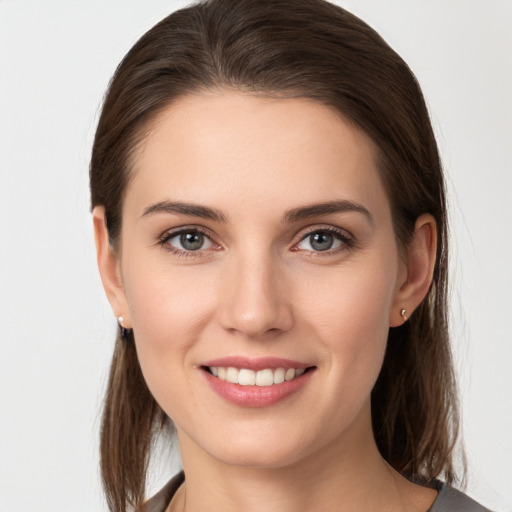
(254, 301)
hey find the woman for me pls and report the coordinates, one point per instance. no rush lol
(270, 222)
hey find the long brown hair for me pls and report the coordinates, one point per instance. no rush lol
(288, 48)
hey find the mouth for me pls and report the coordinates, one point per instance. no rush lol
(263, 378)
(256, 383)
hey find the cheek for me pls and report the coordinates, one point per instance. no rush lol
(169, 310)
(349, 313)
(350, 300)
(166, 302)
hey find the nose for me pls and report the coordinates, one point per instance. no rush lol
(255, 302)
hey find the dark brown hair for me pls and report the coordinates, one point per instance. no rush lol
(288, 48)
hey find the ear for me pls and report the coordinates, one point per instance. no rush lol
(109, 267)
(419, 269)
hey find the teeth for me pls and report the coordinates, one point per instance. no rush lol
(246, 377)
(265, 378)
(279, 376)
(290, 374)
(232, 375)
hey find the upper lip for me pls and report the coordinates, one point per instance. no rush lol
(260, 363)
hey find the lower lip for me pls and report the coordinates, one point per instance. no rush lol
(256, 396)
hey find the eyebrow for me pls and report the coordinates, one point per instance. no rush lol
(190, 209)
(340, 206)
(293, 215)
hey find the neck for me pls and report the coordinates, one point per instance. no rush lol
(345, 474)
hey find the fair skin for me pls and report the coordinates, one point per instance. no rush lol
(253, 275)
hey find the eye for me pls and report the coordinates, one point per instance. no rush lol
(188, 240)
(322, 240)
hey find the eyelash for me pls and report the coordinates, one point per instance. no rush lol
(169, 235)
(346, 240)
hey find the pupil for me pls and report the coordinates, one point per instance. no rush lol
(321, 241)
(191, 241)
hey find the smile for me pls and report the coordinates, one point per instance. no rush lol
(246, 377)
(256, 383)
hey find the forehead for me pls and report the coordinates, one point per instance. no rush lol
(215, 147)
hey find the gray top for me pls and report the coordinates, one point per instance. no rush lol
(448, 499)
(452, 500)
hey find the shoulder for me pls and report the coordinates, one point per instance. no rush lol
(452, 500)
(160, 501)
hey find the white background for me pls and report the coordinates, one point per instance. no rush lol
(56, 329)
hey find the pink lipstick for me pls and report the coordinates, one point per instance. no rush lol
(256, 383)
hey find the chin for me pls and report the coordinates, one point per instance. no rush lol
(258, 458)
(266, 450)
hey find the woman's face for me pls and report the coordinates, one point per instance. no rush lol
(257, 236)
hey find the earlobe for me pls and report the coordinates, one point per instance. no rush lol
(421, 259)
(109, 265)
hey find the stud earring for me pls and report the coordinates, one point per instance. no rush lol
(124, 331)
(403, 314)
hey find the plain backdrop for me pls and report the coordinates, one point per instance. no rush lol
(56, 328)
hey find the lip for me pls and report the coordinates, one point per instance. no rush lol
(256, 396)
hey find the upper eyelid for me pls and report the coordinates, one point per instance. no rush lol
(330, 229)
(171, 233)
